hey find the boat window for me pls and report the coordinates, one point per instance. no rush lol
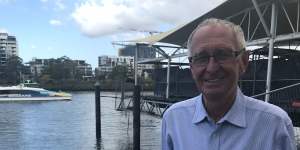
(27, 92)
(4, 92)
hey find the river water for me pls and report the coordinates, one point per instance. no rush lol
(70, 125)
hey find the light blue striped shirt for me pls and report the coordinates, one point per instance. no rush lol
(250, 124)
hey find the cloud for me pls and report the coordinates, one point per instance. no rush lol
(55, 22)
(106, 17)
(128, 35)
(44, 1)
(60, 5)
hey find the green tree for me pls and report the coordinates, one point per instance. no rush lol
(119, 73)
(13, 70)
(60, 69)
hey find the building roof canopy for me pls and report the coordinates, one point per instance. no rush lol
(241, 12)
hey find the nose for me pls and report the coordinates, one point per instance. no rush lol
(212, 65)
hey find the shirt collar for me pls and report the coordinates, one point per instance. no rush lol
(236, 115)
(200, 112)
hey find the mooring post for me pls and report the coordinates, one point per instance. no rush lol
(98, 111)
(136, 117)
(122, 94)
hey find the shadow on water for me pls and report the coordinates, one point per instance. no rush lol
(99, 145)
(125, 145)
(121, 146)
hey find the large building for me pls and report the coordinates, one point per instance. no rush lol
(126, 57)
(144, 51)
(82, 68)
(8, 47)
(38, 65)
(107, 63)
(114, 61)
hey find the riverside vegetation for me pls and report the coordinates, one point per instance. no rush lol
(62, 74)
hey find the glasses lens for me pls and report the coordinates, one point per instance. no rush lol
(201, 59)
(223, 56)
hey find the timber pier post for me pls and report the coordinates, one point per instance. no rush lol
(136, 117)
(98, 111)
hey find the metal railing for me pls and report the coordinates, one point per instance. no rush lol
(276, 90)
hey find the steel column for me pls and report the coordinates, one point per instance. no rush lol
(271, 49)
(136, 64)
(168, 78)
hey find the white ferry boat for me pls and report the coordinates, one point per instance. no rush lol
(22, 93)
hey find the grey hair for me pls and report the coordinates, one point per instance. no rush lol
(237, 30)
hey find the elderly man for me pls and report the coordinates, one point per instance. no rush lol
(221, 117)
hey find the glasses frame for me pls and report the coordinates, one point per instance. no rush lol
(235, 55)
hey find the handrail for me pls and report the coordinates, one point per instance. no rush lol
(279, 89)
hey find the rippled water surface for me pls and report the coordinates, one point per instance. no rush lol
(70, 125)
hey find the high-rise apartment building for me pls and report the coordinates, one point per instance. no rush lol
(8, 47)
(107, 63)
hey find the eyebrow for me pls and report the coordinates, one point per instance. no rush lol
(213, 50)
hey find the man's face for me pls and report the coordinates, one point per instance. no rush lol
(218, 75)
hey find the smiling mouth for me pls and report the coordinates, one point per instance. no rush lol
(214, 80)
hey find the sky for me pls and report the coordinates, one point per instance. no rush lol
(85, 29)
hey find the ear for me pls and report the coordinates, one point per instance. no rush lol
(243, 62)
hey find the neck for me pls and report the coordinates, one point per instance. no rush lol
(217, 107)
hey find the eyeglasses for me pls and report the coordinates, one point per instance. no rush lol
(221, 56)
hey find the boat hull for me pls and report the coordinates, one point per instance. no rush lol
(21, 93)
(34, 98)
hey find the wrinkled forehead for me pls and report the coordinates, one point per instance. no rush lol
(214, 36)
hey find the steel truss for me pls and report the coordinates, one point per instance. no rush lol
(270, 23)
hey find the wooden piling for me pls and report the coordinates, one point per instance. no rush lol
(98, 111)
(136, 117)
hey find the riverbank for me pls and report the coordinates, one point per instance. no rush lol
(77, 85)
